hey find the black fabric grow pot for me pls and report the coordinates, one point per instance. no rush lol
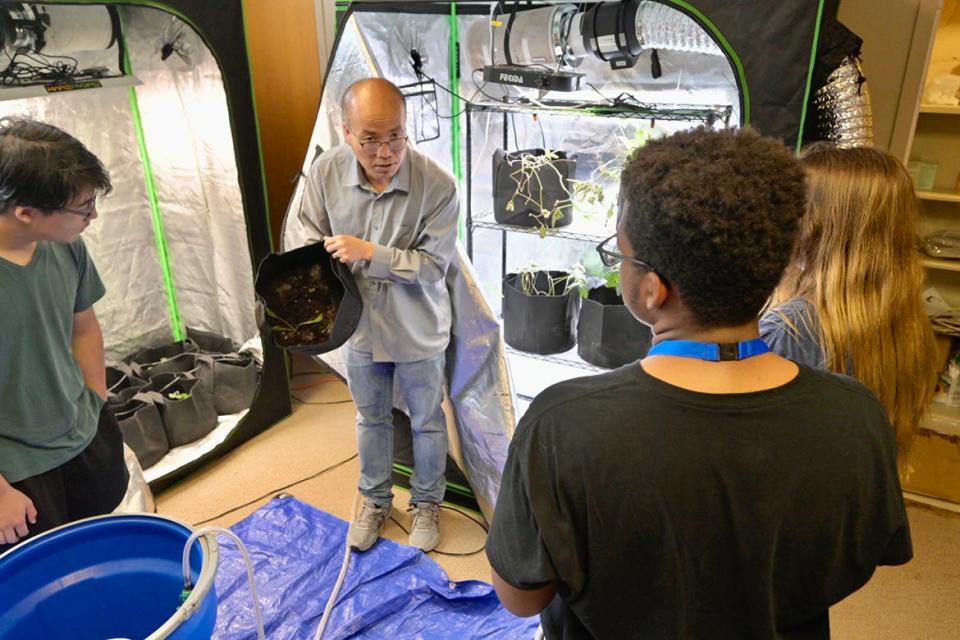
(342, 293)
(123, 380)
(177, 364)
(607, 333)
(142, 429)
(538, 324)
(548, 187)
(195, 365)
(184, 419)
(235, 379)
(124, 396)
(209, 342)
(231, 377)
(152, 355)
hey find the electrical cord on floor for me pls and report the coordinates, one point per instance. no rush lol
(324, 380)
(301, 401)
(453, 554)
(316, 372)
(278, 490)
(328, 377)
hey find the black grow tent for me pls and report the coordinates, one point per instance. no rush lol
(161, 92)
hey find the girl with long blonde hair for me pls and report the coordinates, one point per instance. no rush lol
(850, 299)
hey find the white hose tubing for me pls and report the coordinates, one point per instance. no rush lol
(214, 531)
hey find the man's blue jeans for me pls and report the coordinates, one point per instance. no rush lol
(421, 385)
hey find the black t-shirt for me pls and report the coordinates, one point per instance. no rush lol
(667, 513)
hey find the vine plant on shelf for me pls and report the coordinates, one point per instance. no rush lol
(550, 195)
(575, 278)
(533, 192)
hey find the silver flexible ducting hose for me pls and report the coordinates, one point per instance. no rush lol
(842, 105)
(662, 27)
(843, 108)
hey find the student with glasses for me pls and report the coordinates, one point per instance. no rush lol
(713, 489)
(61, 451)
(390, 212)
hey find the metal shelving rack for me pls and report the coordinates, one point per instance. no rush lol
(567, 362)
(621, 107)
(617, 108)
(487, 222)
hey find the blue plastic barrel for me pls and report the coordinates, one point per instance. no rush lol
(116, 576)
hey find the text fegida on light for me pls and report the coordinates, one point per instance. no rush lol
(510, 77)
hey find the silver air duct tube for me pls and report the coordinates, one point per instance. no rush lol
(539, 47)
(533, 47)
(844, 116)
(662, 27)
(616, 32)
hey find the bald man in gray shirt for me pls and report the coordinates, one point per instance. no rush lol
(390, 212)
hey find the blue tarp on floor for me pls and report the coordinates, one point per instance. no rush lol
(392, 591)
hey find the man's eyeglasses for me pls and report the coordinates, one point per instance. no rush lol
(610, 256)
(394, 143)
(90, 207)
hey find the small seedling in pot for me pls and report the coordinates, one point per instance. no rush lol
(178, 395)
(300, 307)
(286, 327)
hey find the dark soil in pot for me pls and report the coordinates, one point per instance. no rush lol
(301, 307)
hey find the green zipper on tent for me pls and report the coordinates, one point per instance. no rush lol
(176, 324)
(725, 44)
(813, 61)
(454, 81)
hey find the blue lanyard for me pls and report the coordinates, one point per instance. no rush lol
(710, 351)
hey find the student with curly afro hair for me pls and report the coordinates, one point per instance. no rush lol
(712, 489)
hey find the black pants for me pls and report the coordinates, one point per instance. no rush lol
(91, 484)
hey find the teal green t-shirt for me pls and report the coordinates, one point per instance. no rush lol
(47, 413)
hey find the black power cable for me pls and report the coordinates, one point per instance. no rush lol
(454, 554)
(278, 490)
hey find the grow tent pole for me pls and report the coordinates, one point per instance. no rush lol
(454, 81)
(176, 324)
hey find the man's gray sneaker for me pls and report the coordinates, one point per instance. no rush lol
(425, 532)
(365, 529)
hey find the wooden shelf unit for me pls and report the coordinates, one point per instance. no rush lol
(935, 138)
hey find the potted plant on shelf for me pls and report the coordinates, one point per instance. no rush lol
(531, 188)
(540, 308)
(607, 333)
